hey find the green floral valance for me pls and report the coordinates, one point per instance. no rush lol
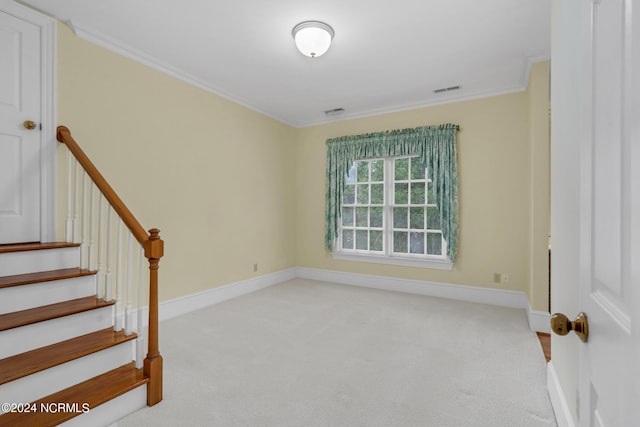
(434, 145)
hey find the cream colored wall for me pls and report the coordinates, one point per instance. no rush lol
(494, 194)
(538, 93)
(215, 177)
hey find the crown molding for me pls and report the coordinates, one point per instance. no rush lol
(442, 100)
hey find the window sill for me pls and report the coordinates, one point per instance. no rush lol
(437, 264)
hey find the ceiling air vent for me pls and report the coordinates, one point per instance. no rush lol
(446, 89)
(334, 112)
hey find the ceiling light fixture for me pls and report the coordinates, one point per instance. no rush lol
(312, 38)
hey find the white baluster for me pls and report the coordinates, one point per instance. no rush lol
(70, 182)
(84, 247)
(91, 251)
(118, 311)
(140, 348)
(76, 220)
(100, 290)
(128, 323)
(108, 280)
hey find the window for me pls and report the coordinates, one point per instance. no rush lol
(388, 215)
(372, 154)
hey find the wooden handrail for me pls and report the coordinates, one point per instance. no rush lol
(153, 250)
(63, 135)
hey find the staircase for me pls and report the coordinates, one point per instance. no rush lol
(71, 342)
(60, 356)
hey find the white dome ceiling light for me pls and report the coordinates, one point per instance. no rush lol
(312, 38)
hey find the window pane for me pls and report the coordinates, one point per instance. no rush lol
(413, 226)
(375, 239)
(351, 177)
(434, 243)
(417, 168)
(347, 239)
(417, 193)
(400, 241)
(416, 243)
(401, 169)
(375, 217)
(363, 194)
(402, 194)
(377, 170)
(400, 217)
(349, 196)
(363, 171)
(362, 217)
(347, 216)
(361, 240)
(416, 219)
(377, 194)
(433, 218)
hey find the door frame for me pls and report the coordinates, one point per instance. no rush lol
(48, 143)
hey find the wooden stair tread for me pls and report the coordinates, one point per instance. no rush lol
(34, 246)
(92, 392)
(42, 276)
(21, 365)
(51, 311)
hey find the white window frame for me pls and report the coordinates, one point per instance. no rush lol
(439, 262)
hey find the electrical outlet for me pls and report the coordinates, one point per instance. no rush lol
(505, 277)
(255, 268)
(496, 278)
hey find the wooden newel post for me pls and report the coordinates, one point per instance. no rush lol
(153, 250)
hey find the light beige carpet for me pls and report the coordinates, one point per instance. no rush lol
(307, 353)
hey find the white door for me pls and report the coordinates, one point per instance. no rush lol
(610, 213)
(20, 99)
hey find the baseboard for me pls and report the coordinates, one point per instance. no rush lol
(500, 297)
(558, 401)
(539, 320)
(192, 302)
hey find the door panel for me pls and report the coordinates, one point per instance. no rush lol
(606, 388)
(10, 166)
(607, 143)
(20, 97)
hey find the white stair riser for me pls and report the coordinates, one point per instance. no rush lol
(44, 383)
(23, 262)
(30, 337)
(112, 411)
(23, 297)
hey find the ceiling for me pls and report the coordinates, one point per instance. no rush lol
(387, 55)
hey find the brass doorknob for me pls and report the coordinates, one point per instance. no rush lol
(561, 325)
(28, 124)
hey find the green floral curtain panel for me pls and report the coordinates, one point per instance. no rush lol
(434, 145)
